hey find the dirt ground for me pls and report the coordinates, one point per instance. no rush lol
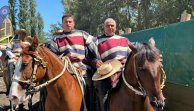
(4, 101)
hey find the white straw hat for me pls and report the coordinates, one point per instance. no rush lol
(107, 69)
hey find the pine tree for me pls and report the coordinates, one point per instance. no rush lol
(13, 10)
(40, 27)
(33, 18)
(24, 14)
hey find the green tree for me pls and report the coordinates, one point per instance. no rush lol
(69, 5)
(33, 18)
(27, 17)
(53, 28)
(13, 11)
(137, 14)
(23, 14)
(40, 27)
(89, 16)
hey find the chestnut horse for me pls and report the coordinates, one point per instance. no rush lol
(139, 88)
(38, 63)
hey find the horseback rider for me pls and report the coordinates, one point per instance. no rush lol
(79, 46)
(113, 50)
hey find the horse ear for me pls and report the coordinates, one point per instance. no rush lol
(152, 42)
(132, 47)
(34, 44)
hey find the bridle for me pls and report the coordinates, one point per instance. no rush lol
(141, 90)
(32, 85)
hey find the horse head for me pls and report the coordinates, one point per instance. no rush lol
(27, 73)
(38, 67)
(144, 68)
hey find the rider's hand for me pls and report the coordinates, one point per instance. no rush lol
(98, 63)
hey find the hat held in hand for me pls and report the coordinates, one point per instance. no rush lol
(107, 69)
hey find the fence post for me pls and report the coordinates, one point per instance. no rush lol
(185, 16)
(128, 30)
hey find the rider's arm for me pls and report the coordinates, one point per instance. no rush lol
(51, 44)
(91, 44)
(9, 53)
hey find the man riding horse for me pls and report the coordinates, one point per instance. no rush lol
(79, 46)
(113, 50)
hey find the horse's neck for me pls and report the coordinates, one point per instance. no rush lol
(63, 83)
(130, 73)
(64, 89)
(54, 65)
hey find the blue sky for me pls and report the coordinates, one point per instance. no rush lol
(50, 10)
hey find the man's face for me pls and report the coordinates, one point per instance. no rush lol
(21, 36)
(110, 28)
(68, 24)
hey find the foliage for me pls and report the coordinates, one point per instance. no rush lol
(27, 17)
(53, 28)
(137, 14)
(33, 18)
(23, 14)
(40, 27)
(13, 11)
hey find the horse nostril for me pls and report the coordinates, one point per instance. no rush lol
(162, 103)
(159, 105)
(154, 103)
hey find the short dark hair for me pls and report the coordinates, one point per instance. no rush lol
(67, 15)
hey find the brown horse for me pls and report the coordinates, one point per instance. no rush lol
(139, 88)
(4, 73)
(38, 63)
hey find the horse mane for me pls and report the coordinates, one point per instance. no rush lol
(44, 51)
(146, 52)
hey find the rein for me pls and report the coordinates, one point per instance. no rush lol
(33, 77)
(131, 87)
(142, 92)
(37, 88)
(67, 66)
